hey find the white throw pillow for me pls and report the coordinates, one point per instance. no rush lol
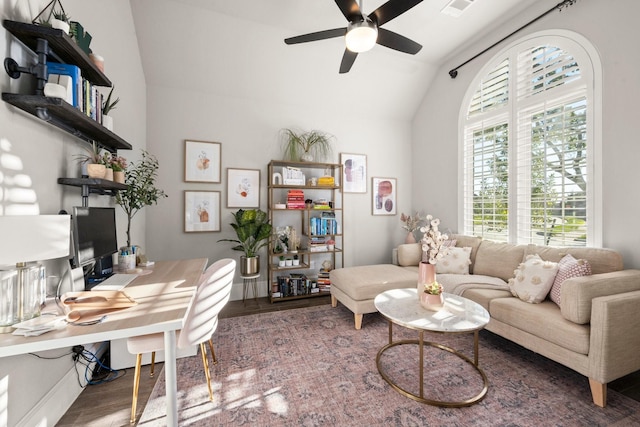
(456, 261)
(533, 279)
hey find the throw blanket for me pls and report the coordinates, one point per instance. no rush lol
(458, 283)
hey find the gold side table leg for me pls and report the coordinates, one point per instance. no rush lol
(421, 344)
(475, 348)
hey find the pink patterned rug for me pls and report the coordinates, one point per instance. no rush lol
(310, 367)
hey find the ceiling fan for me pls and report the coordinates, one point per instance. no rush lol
(364, 31)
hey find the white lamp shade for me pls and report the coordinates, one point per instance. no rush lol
(34, 238)
(361, 36)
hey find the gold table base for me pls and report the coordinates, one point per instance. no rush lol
(420, 397)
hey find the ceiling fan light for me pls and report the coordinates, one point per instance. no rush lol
(361, 36)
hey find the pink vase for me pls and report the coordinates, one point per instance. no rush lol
(426, 275)
(431, 302)
(410, 238)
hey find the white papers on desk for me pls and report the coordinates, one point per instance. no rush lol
(40, 325)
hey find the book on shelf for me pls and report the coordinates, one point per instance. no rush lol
(73, 71)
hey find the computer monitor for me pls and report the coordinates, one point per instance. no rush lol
(94, 238)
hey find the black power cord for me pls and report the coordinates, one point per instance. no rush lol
(86, 358)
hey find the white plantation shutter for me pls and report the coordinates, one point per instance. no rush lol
(493, 91)
(527, 152)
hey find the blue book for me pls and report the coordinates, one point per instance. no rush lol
(67, 70)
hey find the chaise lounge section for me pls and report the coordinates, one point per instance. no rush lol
(595, 329)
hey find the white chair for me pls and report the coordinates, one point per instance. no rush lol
(200, 323)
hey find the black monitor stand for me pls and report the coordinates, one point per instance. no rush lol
(102, 269)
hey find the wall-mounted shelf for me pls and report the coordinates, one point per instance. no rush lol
(62, 48)
(52, 44)
(93, 185)
(64, 116)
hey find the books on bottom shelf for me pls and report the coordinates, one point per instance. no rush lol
(324, 281)
(293, 284)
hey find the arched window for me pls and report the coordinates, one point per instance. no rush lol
(531, 144)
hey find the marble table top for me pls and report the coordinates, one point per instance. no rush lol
(402, 307)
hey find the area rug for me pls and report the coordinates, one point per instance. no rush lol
(310, 367)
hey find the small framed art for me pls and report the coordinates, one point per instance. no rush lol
(202, 161)
(384, 192)
(243, 188)
(201, 211)
(354, 171)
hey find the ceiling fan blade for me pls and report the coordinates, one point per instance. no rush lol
(397, 42)
(319, 35)
(349, 9)
(347, 61)
(391, 9)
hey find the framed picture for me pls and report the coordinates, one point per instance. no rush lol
(354, 171)
(243, 188)
(201, 211)
(202, 161)
(384, 192)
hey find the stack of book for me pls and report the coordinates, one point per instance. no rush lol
(292, 176)
(324, 283)
(317, 244)
(295, 199)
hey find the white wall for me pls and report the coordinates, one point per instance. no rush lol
(37, 391)
(613, 30)
(197, 90)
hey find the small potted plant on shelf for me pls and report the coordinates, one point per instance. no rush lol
(281, 261)
(92, 162)
(296, 260)
(107, 106)
(106, 161)
(119, 165)
(306, 146)
(61, 21)
(288, 262)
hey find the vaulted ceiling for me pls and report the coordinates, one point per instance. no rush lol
(235, 49)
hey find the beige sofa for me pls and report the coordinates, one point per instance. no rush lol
(595, 331)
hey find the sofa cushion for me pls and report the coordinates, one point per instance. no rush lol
(542, 320)
(497, 259)
(456, 261)
(485, 296)
(602, 260)
(533, 279)
(367, 281)
(568, 267)
(409, 254)
(472, 242)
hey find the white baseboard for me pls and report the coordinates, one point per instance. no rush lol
(50, 409)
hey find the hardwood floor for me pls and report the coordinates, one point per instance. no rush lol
(109, 404)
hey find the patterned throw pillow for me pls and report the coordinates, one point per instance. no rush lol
(568, 267)
(533, 279)
(456, 261)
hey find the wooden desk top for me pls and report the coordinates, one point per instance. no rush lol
(163, 296)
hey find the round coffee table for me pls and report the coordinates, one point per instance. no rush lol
(459, 315)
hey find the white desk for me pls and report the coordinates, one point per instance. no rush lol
(163, 297)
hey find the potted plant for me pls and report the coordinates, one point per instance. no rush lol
(61, 21)
(432, 298)
(92, 162)
(141, 190)
(281, 261)
(106, 161)
(306, 146)
(107, 106)
(296, 260)
(253, 231)
(119, 165)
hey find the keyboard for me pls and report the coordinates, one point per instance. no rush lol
(115, 282)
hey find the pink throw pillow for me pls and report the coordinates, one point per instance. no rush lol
(568, 267)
